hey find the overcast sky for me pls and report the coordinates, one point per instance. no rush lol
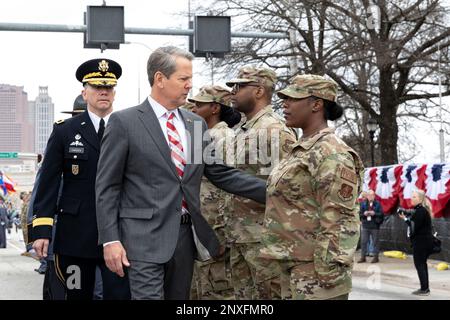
(33, 59)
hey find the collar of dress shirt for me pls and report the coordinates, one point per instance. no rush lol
(160, 110)
(96, 120)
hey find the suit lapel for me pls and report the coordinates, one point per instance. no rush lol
(151, 124)
(190, 152)
(87, 130)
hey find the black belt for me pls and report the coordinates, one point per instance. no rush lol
(185, 218)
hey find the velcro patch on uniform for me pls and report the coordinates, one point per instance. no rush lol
(349, 175)
(344, 191)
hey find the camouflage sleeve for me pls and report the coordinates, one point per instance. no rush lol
(279, 143)
(336, 184)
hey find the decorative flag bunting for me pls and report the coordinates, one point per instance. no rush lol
(394, 185)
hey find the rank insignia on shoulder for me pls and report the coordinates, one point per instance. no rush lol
(59, 121)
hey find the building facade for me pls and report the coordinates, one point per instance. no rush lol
(43, 119)
(16, 123)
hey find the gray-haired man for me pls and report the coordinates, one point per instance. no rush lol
(148, 184)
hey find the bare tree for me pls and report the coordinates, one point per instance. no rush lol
(384, 55)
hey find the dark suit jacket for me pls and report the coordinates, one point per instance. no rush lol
(421, 228)
(139, 192)
(72, 151)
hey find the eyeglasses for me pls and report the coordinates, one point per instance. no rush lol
(238, 86)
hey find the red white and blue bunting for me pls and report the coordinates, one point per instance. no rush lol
(393, 185)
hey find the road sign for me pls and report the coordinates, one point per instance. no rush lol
(8, 155)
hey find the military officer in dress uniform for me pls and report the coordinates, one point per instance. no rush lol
(72, 153)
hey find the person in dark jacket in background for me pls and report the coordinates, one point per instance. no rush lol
(421, 235)
(3, 224)
(371, 215)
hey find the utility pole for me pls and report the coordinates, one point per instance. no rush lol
(441, 130)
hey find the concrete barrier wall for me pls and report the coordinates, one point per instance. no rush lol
(393, 236)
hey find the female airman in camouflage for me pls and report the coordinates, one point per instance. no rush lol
(311, 219)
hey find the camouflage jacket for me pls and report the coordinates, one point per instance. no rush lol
(258, 146)
(214, 201)
(312, 211)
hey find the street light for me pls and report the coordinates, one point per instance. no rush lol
(372, 126)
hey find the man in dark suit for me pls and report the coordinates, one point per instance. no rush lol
(72, 153)
(148, 185)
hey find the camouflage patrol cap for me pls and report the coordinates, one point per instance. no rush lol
(188, 106)
(216, 94)
(249, 74)
(307, 85)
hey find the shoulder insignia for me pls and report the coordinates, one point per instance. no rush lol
(59, 121)
(346, 192)
(349, 175)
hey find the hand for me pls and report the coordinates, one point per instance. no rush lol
(221, 250)
(402, 216)
(41, 247)
(115, 258)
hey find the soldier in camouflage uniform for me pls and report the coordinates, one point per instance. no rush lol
(311, 221)
(25, 197)
(212, 278)
(260, 143)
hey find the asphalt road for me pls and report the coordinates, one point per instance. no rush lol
(19, 281)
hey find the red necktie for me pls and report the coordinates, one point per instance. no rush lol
(177, 153)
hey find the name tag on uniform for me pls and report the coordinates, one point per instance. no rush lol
(77, 150)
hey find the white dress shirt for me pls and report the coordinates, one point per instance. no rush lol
(161, 114)
(96, 120)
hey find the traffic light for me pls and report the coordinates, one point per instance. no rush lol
(105, 27)
(212, 36)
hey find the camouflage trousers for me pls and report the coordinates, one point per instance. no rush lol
(299, 282)
(212, 279)
(23, 224)
(247, 270)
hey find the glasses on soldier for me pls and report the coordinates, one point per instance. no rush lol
(238, 86)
